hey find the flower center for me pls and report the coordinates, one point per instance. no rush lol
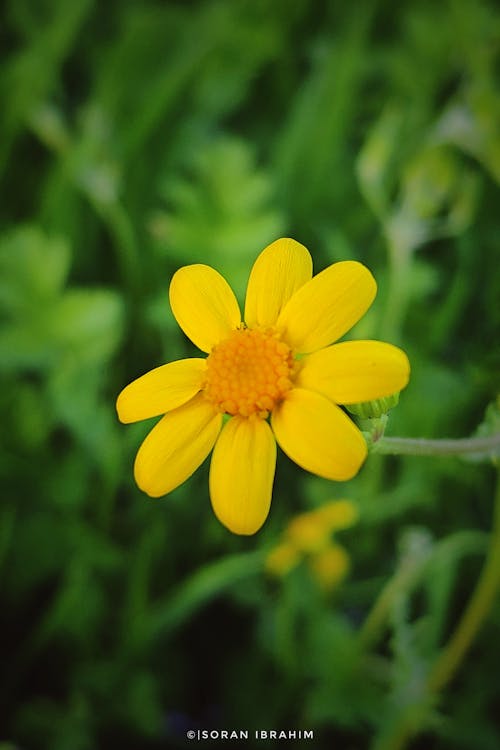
(249, 372)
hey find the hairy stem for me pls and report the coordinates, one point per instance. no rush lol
(399, 446)
(476, 611)
(455, 651)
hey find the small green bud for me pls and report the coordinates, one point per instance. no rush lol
(374, 409)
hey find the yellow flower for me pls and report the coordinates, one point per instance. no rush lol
(308, 538)
(308, 532)
(253, 371)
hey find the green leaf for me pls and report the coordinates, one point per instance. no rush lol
(203, 586)
(220, 208)
(33, 270)
(375, 162)
(87, 324)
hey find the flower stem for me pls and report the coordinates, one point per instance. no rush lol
(396, 304)
(399, 446)
(479, 605)
(402, 580)
(455, 651)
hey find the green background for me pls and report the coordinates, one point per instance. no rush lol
(136, 137)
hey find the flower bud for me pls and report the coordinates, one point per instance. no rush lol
(374, 409)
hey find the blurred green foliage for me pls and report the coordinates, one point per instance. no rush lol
(138, 136)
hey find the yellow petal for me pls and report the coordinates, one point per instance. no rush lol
(242, 473)
(318, 436)
(322, 310)
(204, 305)
(281, 559)
(161, 390)
(176, 446)
(337, 514)
(282, 268)
(330, 566)
(355, 371)
(307, 532)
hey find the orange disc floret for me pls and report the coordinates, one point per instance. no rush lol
(249, 372)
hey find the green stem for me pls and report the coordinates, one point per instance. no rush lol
(122, 233)
(410, 572)
(398, 446)
(396, 303)
(462, 638)
(475, 613)
(402, 580)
